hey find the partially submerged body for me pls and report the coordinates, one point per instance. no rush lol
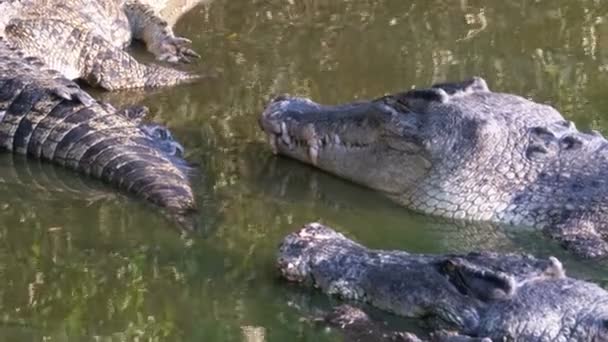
(459, 151)
(510, 296)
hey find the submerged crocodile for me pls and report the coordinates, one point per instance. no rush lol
(504, 297)
(462, 151)
(46, 116)
(84, 39)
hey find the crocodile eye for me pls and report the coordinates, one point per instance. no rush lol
(601, 331)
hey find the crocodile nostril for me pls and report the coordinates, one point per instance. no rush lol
(279, 98)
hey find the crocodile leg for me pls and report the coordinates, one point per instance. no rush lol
(579, 236)
(358, 326)
(135, 113)
(89, 57)
(160, 40)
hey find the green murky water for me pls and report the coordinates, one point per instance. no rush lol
(81, 263)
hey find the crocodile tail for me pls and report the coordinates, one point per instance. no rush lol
(97, 143)
(86, 136)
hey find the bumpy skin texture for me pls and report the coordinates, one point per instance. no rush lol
(46, 116)
(85, 39)
(459, 151)
(503, 297)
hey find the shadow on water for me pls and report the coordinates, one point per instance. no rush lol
(80, 262)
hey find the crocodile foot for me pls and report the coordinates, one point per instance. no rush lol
(175, 49)
(163, 138)
(68, 90)
(135, 113)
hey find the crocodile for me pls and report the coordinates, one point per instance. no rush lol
(84, 39)
(461, 151)
(485, 295)
(46, 116)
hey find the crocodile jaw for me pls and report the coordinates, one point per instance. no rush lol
(353, 141)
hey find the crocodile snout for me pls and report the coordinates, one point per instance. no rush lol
(294, 253)
(283, 120)
(270, 121)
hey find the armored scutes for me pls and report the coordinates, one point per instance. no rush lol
(46, 116)
(85, 39)
(505, 297)
(459, 151)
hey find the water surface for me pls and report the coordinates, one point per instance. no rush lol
(81, 263)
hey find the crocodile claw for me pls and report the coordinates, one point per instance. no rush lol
(83, 97)
(135, 113)
(175, 50)
(72, 92)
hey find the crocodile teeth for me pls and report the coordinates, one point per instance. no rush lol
(285, 134)
(272, 140)
(313, 154)
(555, 268)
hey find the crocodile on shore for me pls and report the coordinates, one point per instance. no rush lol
(503, 297)
(84, 39)
(462, 151)
(46, 116)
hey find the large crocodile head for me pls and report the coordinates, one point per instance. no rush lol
(368, 142)
(506, 297)
(403, 142)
